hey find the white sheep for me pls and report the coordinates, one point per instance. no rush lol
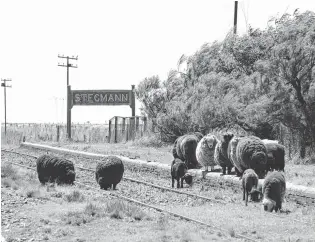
(205, 151)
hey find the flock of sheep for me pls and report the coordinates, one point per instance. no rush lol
(251, 157)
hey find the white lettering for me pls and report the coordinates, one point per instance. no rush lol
(97, 98)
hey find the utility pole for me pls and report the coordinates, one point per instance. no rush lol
(4, 84)
(235, 16)
(68, 90)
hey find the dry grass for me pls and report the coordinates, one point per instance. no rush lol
(74, 196)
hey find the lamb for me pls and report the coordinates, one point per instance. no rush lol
(205, 151)
(250, 185)
(179, 172)
(109, 172)
(232, 155)
(274, 189)
(220, 154)
(185, 149)
(251, 153)
(276, 154)
(54, 169)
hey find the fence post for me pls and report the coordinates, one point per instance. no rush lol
(132, 128)
(145, 120)
(137, 123)
(58, 133)
(127, 130)
(109, 130)
(116, 124)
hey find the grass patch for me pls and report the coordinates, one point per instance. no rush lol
(85, 215)
(77, 218)
(32, 192)
(119, 209)
(74, 196)
(92, 209)
(8, 171)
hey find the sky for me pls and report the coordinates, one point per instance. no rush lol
(118, 44)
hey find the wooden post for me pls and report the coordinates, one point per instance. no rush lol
(116, 125)
(109, 130)
(127, 131)
(69, 106)
(123, 124)
(145, 120)
(58, 133)
(137, 125)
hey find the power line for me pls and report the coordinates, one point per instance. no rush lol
(4, 84)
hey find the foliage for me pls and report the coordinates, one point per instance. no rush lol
(256, 82)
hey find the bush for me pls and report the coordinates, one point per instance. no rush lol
(149, 140)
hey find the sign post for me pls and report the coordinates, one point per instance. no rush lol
(97, 98)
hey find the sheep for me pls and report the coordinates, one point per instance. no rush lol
(231, 153)
(276, 154)
(179, 172)
(54, 169)
(273, 190)
(109, 172)
(250, 185)
(220, 154)
(251, 153)
(185, 149)
(205, 151)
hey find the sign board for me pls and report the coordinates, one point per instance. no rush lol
(101, 97)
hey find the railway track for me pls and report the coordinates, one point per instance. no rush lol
(87, 180)
(298, 198)
(144, 204)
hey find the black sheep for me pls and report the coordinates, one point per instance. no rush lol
(55, 169)
(179, 172)
(185, 149)
(252, 153)
(276, 154)
(274, 189)
(250, 185)
(109, 172)
(221, 154)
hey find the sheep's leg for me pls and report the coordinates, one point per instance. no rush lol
(181, 182)
(243, 194)
(177, 182)
(229, 169)
(114, 186)
(173, 182)
(223, 170)
(246, 198)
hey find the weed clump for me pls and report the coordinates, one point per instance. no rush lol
(74, 196)
(119, 209)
